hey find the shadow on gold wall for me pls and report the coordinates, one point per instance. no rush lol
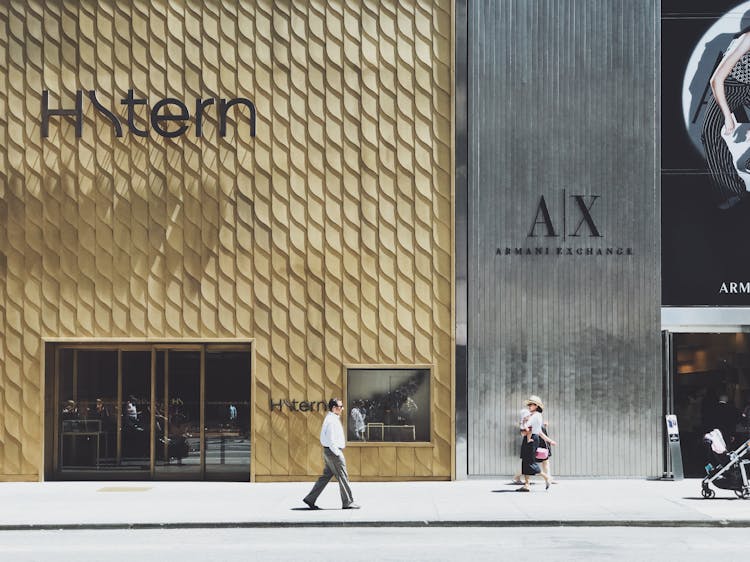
(327, 238)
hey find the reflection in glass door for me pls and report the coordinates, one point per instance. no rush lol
(134, 406)
(178, 415)
(142, 411)
(227, 415)
(87, 383)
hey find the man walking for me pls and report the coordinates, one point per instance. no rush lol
(333, 441)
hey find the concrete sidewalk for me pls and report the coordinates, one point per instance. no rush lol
(93, 505)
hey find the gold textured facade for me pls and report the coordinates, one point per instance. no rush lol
(326, 239)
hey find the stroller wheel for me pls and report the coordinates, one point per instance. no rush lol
(708, 493)
(744, 493)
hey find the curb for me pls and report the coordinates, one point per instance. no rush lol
(655, 523)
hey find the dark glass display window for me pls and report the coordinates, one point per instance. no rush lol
(164, 412)
(388, 405)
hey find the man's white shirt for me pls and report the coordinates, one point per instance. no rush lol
(332, 433)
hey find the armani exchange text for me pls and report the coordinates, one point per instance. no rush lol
(735, 287)
(559, 251)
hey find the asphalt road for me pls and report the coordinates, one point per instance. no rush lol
(364, 544)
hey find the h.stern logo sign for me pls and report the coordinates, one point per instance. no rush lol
(168, 117)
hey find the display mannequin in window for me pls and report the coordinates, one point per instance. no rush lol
(70, 411)
(131, 416)
(357, 414)
(100, 412)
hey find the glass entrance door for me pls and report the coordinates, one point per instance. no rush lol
(227, 434)
(177, 415)
(133, 407)
(87, 389)
(140, 411)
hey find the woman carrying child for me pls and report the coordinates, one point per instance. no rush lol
(529, 463)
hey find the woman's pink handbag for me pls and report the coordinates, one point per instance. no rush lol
(542, 453)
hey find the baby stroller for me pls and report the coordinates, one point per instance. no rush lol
(731, 468)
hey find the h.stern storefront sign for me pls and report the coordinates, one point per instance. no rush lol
(167, 117)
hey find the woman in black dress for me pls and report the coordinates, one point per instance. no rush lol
(529, 463)
(730, 86)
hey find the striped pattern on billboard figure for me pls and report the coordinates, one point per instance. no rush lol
(725, 141)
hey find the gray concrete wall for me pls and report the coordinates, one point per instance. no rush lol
(563, 106)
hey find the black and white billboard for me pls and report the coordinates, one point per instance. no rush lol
(705, 152)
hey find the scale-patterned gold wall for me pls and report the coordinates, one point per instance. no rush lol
(327, 238)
